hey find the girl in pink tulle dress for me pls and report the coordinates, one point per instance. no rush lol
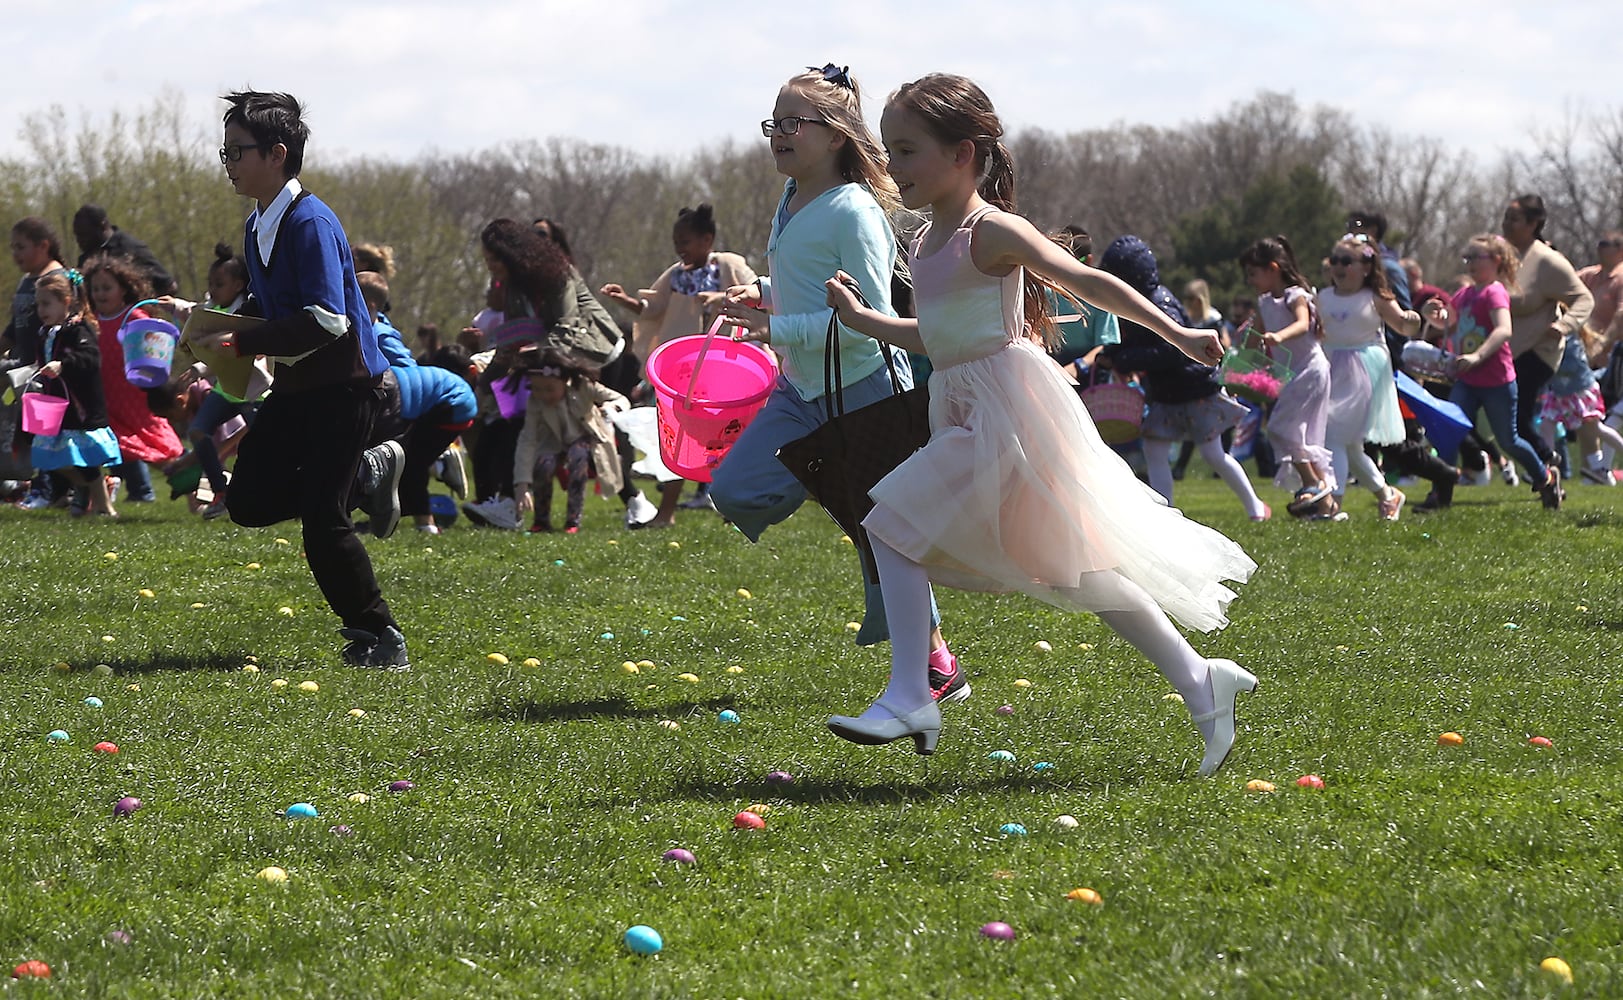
(1015, 490)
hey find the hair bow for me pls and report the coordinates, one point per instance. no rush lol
(551, 371)
(75, 278)
(838, 75)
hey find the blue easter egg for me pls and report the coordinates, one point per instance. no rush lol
(57, 736)
(1002, 755)
(727, 715)
(606, 635)
(1042, 765)
(644, 940)
(678, 618)
(93, 701)
(301, 810)
(1012, 830)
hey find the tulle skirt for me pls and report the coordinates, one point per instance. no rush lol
(1296, 423)
(1015, 491)
(1363, 396)
(76, 449)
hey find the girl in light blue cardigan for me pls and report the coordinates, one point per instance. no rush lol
(834, 216)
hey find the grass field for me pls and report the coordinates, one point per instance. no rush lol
(544, 797)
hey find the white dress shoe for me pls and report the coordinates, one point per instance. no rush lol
(923, 724)
(1228, 680)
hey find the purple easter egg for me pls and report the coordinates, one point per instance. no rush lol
(1005, 710)
(780, 777)
(998, 930)
(401, 786)
(680, 855)
(340, 830)
(126, 806)
(120, 937)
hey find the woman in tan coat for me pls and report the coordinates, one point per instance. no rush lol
(1548, 305)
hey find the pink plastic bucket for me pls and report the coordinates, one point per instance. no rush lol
(42, 414)
(706, 391)
(149, 349)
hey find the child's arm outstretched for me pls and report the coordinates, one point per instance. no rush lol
(1296, 328)
(1004, 241)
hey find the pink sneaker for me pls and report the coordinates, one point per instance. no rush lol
(1392, 504)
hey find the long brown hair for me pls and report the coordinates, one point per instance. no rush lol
(1363, 248)
(69, 286)
(953, 109)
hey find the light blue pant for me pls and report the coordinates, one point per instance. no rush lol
(754, 490)
(1498, 404)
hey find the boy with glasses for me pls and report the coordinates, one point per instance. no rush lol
(307, 449)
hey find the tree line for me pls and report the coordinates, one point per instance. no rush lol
(1198, 193)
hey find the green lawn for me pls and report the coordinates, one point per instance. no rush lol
(545, 796)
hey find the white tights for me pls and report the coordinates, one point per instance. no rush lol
(1158, 463)
(1140, 621)
(1348, 456)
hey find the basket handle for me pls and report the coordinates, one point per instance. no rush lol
(693, 380)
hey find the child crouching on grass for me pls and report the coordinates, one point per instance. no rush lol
(565, 421)
(70, 362)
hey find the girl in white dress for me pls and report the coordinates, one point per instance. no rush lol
(1015, 490)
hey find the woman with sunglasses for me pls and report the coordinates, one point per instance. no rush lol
(1354, 309)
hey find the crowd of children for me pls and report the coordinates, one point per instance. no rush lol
(292, 366)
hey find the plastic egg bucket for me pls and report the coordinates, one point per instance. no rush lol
(149, 350)
(42, 414)
(731, 384)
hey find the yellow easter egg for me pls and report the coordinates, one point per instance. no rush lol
(108, 638)
(1260, 786)
(646, 665)
(532, 662)
(1450, 739)
(758, 808)
(279, 683)
(197, 605)
(310, 687)
(250, 668)
(690, 678)
(853, 626)
(272, 875)
(357, 713)
(359, 798)
(110, 556)
(741, 592)
(1022, 683)
(1557, 968)
(283, 541)
(670, 724)
(147, 592)
(497, 658)
(1173, 696)
(251, 566)
(673, 545)
(285, 610)
(630, 668)
(1085, 895)
(735, 669)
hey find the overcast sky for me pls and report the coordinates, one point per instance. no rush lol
(399, 78)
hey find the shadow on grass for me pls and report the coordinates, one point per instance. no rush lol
(1598, 519)
(165, 662)
(939, 782)
(616, 707)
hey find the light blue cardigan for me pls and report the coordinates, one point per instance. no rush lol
(843, 228)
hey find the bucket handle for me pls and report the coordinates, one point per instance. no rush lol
(693, 380)
(131, 312)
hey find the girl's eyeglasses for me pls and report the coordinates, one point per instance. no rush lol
(1473, 257)
(788, 126)
(1343, 260)
(233, 152)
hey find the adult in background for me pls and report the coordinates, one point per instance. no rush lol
(1605, 283)
(1548, 305)
(95, 233)
(1373, 225)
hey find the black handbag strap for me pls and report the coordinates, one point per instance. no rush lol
(833, 376)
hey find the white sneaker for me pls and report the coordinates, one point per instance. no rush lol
(639, 511)
(429, 529)
(450, 471)
(499, 513)
(1480, 477)
(1507, 472)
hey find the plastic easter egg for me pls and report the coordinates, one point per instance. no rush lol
(1085, 896)
(500, 659)
(997, 930)
(647, 665)
(1450, 739)
(1555, 968)
(735, 669)
(301, 810)
(105, 747)
(1259, 786)
(1043, 646)
(285, 610)
(690, 678)
(679, 856)
(401, 786)
(280, 682)
(340, 830)
(758, 808)
(31, 969)
(250, 668)
(147, 593)
(119, 937)
(310, 687)
(1005, 710)
(779, 778)
(126, 806)
(357, 713)
(531, 662)
(727, 715)
(1310, 781)
(272, 875)
(1066, 822)
(1022, 683)
(359, 798)
(643, 940)
(853, 626)
(57, 736)
(670, 724)
(743, 593)
(1012, 830)
(102, 669)
(747, 820)
(1003, 756)
(1042, 765)
(1540, 741)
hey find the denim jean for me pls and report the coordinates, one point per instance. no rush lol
(1498, 403)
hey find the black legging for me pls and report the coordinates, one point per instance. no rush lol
(1532, 375)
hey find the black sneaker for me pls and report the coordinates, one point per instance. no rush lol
(387, 651)
(1551, 494)
(380, 481)
(948, 686)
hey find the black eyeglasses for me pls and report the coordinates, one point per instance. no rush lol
(233, 152)
(788, 126)
(1342, 260)
(1610, 244)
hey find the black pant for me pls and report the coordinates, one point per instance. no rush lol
(1532, 375)
(299, 460)
(429, 436)
(493, 458)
